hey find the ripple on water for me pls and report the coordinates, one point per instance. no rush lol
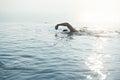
(27, 56)
(34, 53)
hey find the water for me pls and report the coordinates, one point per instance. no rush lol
(38, 52)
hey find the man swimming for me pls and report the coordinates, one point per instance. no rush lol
(86, 31)
(83, 31)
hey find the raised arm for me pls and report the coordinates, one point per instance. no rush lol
(67, 25)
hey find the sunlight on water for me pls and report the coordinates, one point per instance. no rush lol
(96, 65)
(95, 61)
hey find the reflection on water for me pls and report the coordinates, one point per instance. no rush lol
(95, 61)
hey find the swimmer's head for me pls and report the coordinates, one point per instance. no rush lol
(65, 30)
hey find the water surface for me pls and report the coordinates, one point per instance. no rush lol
(38, 52)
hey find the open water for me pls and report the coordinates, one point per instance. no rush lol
(38, 52)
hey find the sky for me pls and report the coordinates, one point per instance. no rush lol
(92, 11)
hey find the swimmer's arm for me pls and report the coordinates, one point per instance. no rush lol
(67, 25)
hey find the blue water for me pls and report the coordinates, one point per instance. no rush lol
(38, 52)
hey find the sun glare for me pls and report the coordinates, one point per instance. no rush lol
(97, 12)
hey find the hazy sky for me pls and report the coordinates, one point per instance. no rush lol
(60, 10)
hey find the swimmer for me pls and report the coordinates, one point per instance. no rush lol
(83, 31)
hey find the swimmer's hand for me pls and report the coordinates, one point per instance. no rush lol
(56, 27)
